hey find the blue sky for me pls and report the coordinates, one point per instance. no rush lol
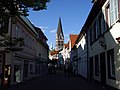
(73, 15)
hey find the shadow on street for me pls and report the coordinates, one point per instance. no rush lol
(58, 81)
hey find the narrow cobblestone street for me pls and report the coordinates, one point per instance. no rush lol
(57, 81)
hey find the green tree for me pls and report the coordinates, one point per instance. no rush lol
(21, 7)
(11, 9)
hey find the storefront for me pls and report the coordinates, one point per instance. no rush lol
(18, 70)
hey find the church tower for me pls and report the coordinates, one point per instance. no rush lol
(59, 37)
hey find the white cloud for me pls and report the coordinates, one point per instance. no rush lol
(53, 31)
(43, 27)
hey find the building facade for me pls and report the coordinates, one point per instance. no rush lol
(65, 53)
(81, 45)
(102, 26)
(73, 53)
(29, 62)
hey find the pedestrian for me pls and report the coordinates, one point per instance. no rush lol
(67, 69)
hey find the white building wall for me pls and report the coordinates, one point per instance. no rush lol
(82, 57)
(111, 43)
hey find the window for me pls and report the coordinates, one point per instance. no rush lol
(103, 22)
(113, 11)
(97, 28)
(17, 31)
(111, 64)
(100, 24)
(95, 32)
(17, 73)
(107, 9)
(90, 36)
(4, 23)
(96, 65)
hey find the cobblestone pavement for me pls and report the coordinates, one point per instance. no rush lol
(57, 81)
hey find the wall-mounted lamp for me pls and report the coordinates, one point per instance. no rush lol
(102, 42)
(118, 39)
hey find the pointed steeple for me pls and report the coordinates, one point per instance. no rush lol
(59, 29)
(59, 36)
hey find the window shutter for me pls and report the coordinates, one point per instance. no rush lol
(119, 9)
(107, 16)
(113, 11)
(116, 9)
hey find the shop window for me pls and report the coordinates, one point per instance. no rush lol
(17, 73)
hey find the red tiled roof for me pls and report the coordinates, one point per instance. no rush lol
(66, 45)
(73, 38)
(53, 52)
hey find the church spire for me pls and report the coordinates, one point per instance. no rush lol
(59, 29)
(59, 36)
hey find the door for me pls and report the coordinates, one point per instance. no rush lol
(103, 68)
(91, 69)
